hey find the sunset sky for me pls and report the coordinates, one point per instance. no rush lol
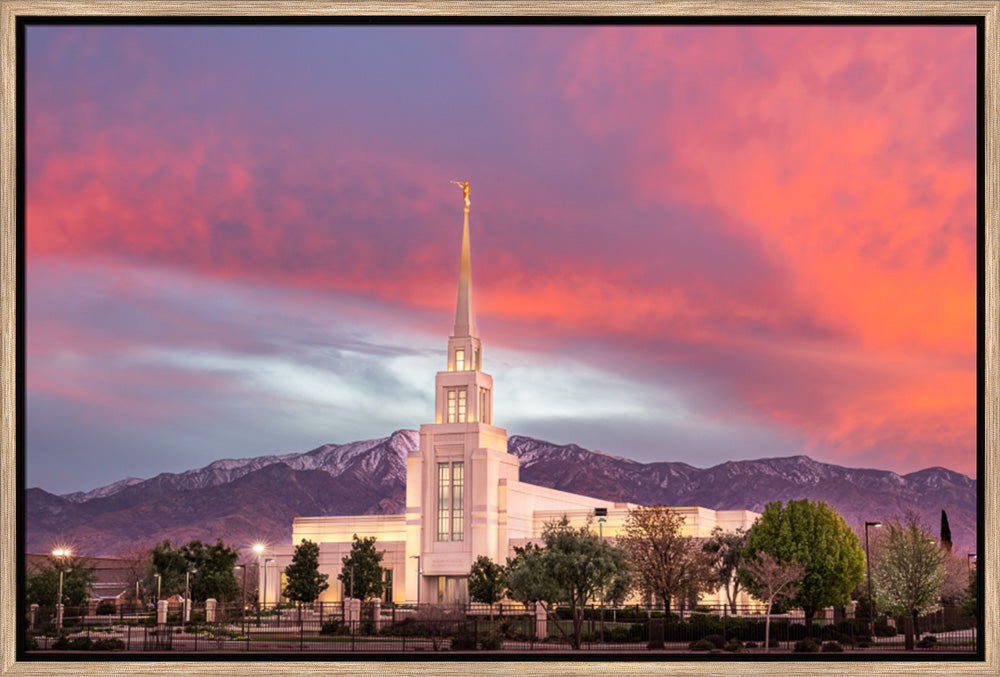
(689, 243)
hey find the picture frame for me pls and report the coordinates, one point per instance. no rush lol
(11, 262)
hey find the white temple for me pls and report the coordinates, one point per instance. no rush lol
(464, 497)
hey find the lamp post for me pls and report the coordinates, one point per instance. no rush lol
(259, 549)
(417, 557)
(187, 594)
(868, 559)
(243, 609)
(60, 554)
(600, 529)
(159, 580)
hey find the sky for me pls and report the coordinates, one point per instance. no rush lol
(689, 243)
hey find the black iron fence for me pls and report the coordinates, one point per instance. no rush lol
(328, 627)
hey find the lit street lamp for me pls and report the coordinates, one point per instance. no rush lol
(187, 593)
(868, 558)
(600, 529)
(60, 554)
(417, 557)
(259, 549)
(264, 596)
(159, 580)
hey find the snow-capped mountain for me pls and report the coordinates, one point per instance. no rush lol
(244, 500)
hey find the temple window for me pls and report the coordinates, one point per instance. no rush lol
(456, 405)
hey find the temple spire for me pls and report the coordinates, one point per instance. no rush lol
(465, 319)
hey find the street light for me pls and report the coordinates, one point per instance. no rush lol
(243, 611)
(600, 529)
(60, 554)
(868, 558)
(269, 559)
(417, 557)
(159, 580)
(187, 593)
(259, 548)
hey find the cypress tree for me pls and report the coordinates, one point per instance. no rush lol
(945, 532)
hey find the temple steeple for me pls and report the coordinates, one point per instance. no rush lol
(465, 317)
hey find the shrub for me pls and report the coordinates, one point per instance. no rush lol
(367, 628)
(701, 645)
(750, 645)
(334, 627)
(734, 645)
(927, 642)
(806, 645)
(885, 630)
(491, 641)
(718, 641)
(81, 644)
(109, 644)
(30, 642)
(832, 647)
(863, 643)
(774, 644)
(106, 608)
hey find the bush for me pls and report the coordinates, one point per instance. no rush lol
(774, 644)
(750, 645)
(734, 645)
(334, 627)
(81, 644)
(806, 645)
(832, 647)
(106, 608)
(30, 642)
(718, 641)
(109, 644)
(491, 641)
(701, 645)
(511, 630)
(927, 642)
(885, 630)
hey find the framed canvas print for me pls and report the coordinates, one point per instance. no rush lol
(457, 337)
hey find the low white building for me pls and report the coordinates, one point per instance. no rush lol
(464, 497)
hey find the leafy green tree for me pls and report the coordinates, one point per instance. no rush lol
(667, 563)
(574, 567)
(813, 533)
(170, 564)
(361, 572)
(487, 582)
(773, 580)
(726, 549)
(212, 568)
(304, 581)
(908, 573)
(42, 584)
(970, 605)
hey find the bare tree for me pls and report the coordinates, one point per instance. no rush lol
(774, 580)
(136, 560)
(668, 564)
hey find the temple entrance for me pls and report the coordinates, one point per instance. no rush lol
(453, 590)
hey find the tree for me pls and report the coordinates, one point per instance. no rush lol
(667, 563)
(212, 570)
(726, 548)
(42, 586)
(361, 572)
(574, 567)
(908, 573)
(304, 581)
(136, 561)
(945, 532)
(486, 582)
(171, 565)
(813, 533)
(772, 580)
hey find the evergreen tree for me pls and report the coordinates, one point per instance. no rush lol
(945, 532)
(304, 581)
(212, 570)
(361, 572)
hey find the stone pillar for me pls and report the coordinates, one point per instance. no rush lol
(210, 610)
(352, 610)
(187, 611)
(377, 614)
(541, 621)
(32, 616)
(161, 612)
(59, 615)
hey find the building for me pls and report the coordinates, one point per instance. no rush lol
(464, 497)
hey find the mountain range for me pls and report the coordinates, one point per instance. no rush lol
(255, 499)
